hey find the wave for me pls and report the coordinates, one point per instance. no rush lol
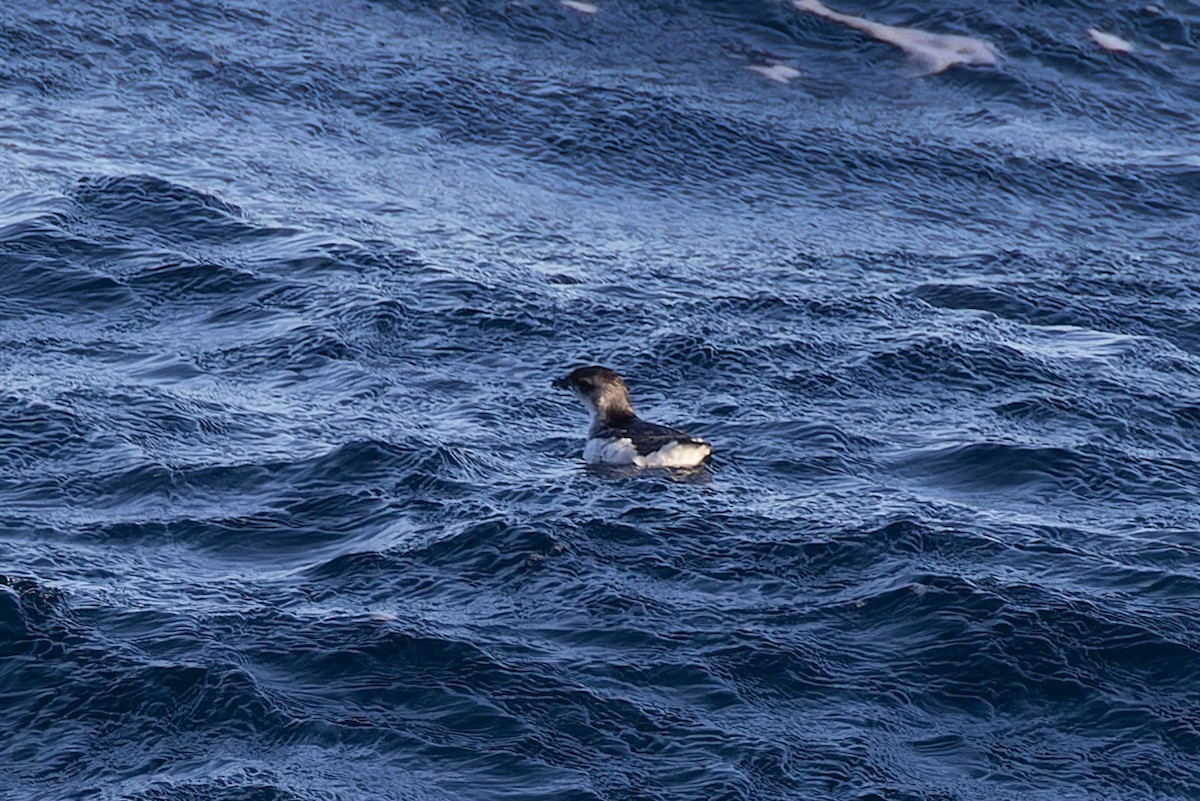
(286, 491)
(1045, 472)
(160, 210)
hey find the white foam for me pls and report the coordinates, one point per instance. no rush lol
(1109, 42)
(580, 6)
(780, 73)
(938, 52)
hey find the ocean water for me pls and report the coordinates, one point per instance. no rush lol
(289, 510)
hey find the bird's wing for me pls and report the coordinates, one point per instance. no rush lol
(649, 437)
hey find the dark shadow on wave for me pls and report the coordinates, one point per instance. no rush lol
(1040, 471)
(487, 552)
(253, 786)
(1028, 651)
(28, 610)
(416, 465)
(161, 210)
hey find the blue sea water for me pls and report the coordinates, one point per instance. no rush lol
(289, 510)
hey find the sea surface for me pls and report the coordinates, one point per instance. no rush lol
(289, 510)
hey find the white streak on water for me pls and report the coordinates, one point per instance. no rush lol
(581, 7)
(780, 73)
(1109, 42)
(938, 52)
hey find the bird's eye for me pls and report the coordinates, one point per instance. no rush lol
(585, 384)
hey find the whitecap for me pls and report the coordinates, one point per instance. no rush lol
(937, 51)
(780, 73)
(580, 6)
(1110, 42)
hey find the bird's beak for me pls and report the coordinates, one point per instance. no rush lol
(560, 383)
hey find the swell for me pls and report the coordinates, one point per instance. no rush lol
(620, 134)
(1086, 472)
(289, 507)
(1143, 303)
